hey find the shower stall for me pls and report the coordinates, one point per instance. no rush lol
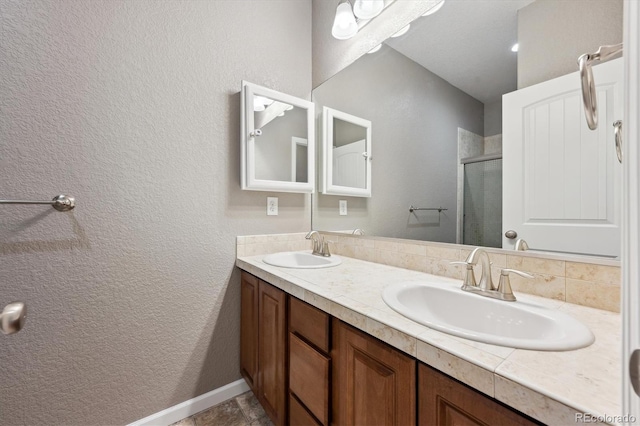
(482, 201)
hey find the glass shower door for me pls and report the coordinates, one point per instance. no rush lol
(482, 220)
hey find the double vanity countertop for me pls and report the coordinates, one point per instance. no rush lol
(549, 386)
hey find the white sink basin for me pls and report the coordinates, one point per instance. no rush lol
(301, 260)
(445, 307)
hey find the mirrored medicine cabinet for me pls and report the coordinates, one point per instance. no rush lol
(346, 154)
(278, 150)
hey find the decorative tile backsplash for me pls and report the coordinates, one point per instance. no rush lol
(566, 278)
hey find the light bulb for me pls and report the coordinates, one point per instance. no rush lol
(367, 9)
(375, 49)
(434, 9)
(344, 24)
(258, 106)
(402, 31)
(514, 48)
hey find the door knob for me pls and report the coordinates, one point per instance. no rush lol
(13, 317)
(511, 234)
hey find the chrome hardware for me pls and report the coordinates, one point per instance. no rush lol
(617, 131)
(62, 203)
(357, 231)
(589, 99)
(486, 283)
(521, 245)
(634, 371)
(315, 237)
(504, 286)
(469, 277)
(325, 248)
(486, 287)
(256, 133)
(320, 246)
(511, 234)
(13, 317)
(413, 209)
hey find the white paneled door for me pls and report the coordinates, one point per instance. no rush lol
(562, 181)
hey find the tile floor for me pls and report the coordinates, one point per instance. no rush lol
(243, 410)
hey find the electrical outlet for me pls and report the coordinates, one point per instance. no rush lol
(272, 206)
(343, 207)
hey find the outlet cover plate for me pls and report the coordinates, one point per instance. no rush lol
(272, 206)
(343, 207)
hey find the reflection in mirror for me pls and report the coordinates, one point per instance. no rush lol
(278, 133)
(349, 165)
(346, 153)
(283, 126)
(435, 95)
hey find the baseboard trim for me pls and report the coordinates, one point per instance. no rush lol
(194, 405)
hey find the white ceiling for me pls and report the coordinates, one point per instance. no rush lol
(468, 43)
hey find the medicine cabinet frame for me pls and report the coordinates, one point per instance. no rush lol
(327, 186)
(249, 134)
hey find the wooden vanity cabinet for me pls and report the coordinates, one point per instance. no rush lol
(443, 401)
(263, 344)
(309, 368)
(373, 383)
(309, 364)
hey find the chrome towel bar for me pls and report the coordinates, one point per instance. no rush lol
(413, 209)
(62, 203)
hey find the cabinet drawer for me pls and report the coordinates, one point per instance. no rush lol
(309, 377)
(298, 415)
(310, 323)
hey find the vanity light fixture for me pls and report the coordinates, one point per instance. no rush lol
(367, 9)
(402, 32)
(344, 24)
(260, 103)
(434, 9)
(375, 49)
(514, 48)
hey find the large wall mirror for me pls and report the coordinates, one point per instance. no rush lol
(277, 141)
(434, 97)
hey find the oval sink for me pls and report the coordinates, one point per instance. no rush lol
(301, 260)
(445, 307)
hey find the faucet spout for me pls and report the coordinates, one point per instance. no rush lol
(479, 254)
(317, 241)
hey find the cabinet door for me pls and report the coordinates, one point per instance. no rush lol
(272, 385)
(249, 329)
(373, 383)
(443, 401)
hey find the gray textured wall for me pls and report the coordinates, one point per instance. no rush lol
(415, 117)
(132, 107)
(493, 118)
(552, 34)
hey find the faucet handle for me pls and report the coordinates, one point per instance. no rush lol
(470, 277)
(504, 286)
(325, 248)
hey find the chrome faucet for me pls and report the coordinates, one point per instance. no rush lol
(486, 283)
(486, 287)
(320, 246)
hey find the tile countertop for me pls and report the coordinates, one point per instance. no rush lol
(548, 386)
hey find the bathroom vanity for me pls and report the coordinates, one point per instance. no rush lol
(319, 345)
(307, 367)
